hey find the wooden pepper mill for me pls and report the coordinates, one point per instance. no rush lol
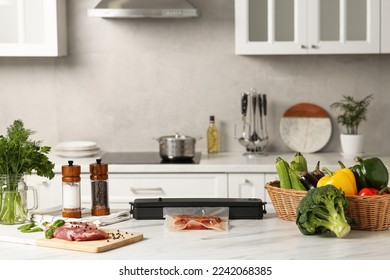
(99, 188)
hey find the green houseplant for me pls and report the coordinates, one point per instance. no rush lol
(352, 113)
(19, 155)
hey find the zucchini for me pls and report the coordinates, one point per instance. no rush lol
(282, 168)
(301, 162)
(296, 183)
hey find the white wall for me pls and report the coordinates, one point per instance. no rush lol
(126, 82)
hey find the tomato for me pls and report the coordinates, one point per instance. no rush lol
(368, 192)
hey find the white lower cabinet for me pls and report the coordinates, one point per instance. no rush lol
(269, 177)
(124, 188)
(249, 185)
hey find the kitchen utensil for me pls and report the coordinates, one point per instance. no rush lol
(253, 136)
(244, 107)
(305, 127)
(265, 109)
(177, 147)
(260, 105)
(94, 246)
(257, 138)
(246, 126)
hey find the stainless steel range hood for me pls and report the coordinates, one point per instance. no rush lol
(143, 9)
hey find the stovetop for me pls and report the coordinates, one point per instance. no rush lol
(144, 158)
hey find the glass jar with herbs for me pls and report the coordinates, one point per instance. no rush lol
(20, 156)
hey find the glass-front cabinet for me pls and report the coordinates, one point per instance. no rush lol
(32, 27)
(307, 26)
(385, 26)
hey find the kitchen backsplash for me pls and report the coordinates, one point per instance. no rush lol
(126, 82)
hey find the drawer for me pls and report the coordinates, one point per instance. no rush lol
(246, 185)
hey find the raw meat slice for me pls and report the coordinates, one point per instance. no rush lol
(192, 222)
(80, 231)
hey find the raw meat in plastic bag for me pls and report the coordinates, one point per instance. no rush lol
(197, 218)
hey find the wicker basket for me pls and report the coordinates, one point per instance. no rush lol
(369, 212)
(285, 201)
(364, 212)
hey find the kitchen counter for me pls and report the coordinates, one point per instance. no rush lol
(232, 162)
(268, 239)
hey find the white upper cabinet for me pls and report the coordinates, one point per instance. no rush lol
(307, 26)
(385, 24)
(33, 28)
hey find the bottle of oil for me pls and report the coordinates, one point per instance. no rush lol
(212, 137)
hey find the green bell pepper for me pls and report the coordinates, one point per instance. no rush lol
(370, 172)
(361, 182)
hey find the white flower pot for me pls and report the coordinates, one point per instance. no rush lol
(352, 145)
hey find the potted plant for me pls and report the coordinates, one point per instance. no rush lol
(19, 155)
(352, 113)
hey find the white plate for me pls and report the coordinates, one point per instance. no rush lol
(76, 146)
(78, 154)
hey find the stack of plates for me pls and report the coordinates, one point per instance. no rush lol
(76, 149)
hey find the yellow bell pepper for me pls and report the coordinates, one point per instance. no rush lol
(343, 179)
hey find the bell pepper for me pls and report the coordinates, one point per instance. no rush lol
(373, 172)
(343, 179)
(361, 181)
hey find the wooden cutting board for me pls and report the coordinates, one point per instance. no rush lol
(94, 246)
(305, 127)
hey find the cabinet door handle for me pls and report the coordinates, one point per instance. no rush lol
(314, 47)
(140, 190)
(303, 47)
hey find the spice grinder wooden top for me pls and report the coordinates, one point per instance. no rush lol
(71, 173)
(98, 170)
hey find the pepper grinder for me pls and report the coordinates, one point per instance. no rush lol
(71, 195)
(99, 188)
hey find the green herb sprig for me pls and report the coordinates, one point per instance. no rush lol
(21, 155)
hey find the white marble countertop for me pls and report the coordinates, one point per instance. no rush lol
(232, 162)
(268, 239)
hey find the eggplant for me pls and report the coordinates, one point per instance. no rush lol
(317, 172)
(308, 180)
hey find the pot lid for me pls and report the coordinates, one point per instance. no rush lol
(177, 136)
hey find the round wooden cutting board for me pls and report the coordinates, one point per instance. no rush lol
(305, 127)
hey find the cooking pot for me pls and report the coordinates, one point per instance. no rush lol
(177, 147)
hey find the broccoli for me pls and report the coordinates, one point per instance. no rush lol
(322, 210)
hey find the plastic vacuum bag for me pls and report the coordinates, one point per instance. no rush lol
(196, 218)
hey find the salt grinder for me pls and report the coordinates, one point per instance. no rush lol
(99, 188)
(71, 195)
